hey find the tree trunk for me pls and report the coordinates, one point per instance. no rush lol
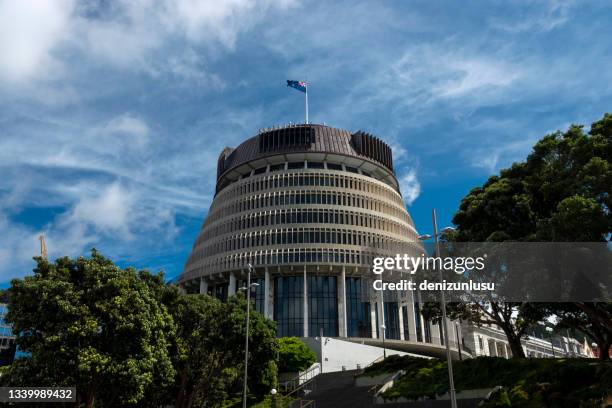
(91, 390)
(604, 350)
(514, 341)
(90, 399)
(516, 347)
(180, 396)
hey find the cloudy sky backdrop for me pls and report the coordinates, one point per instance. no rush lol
(113, 113)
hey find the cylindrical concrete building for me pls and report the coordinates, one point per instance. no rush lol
(303, 204)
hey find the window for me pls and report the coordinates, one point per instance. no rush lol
(391, 320)
(316, 165)
(322, 305)
(277, 167)
(406, 322)
(288, 305)
(260, 170)
(334, 166)
(357, 310)
(295, 165)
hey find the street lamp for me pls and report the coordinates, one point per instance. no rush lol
(384, 329)
(247, 288)
(273, 393)
(449, 360)
(552, 346)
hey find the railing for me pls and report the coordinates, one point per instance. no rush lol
(302, 403)
(301, 379)
(362, 370)
(279, 401)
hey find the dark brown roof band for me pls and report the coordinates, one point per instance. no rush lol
(306, 138)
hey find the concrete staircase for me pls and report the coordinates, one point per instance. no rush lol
(338, 390)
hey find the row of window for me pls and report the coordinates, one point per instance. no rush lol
(308, 216)
(312, 179)
(322, 305)
(296, 166)
(282, 256)
(289, 236)
(323, 308)
(276, 257)
(280, 198)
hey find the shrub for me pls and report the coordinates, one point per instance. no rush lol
(294, 355)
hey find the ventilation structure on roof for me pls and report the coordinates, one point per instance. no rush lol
(286, 138)
(221, 160)
(373, 148)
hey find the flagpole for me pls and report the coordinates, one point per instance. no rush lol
(306, 96)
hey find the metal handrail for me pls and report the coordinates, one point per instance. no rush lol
(304, 376)
(308, 403)
(301, 387)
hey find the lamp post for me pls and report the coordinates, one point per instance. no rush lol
(247, 288)
(449, 360)
(384, 330)
(273, 393)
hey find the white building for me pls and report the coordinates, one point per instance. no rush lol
(490, 340)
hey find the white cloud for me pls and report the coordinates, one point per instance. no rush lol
(107, 211)
(432, 73)
(30, 30)
(37, 36)
(410, 186)
(542, 16)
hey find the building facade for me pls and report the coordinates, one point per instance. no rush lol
(7, 338)
(490, 340)
(306, 206)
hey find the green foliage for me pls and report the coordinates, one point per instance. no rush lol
(561, 193)
(294, 355)
(524, 381)
(210, 349)
(88, 323)
(124, 338)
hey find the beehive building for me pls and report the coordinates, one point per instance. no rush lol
(305, 205)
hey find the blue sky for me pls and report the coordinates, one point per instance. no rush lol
(113, 113)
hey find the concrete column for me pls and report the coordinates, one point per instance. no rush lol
(305, 303)
(420, 298)
(373, 306)
(342, 323)
(492, 348)
(231, 290)
(400, 309)
(506, 351)
(411, 322)
(203, 286)
(452, 335)
(268, 295)
(381, 314)
(435, 334)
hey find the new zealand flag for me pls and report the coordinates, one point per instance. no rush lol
(299, 85)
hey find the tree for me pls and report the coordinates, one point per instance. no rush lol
(570, 316)
(210, 349)
(294, 355)
(560, 193)
(87, 323)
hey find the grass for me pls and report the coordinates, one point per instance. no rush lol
(547, 382)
